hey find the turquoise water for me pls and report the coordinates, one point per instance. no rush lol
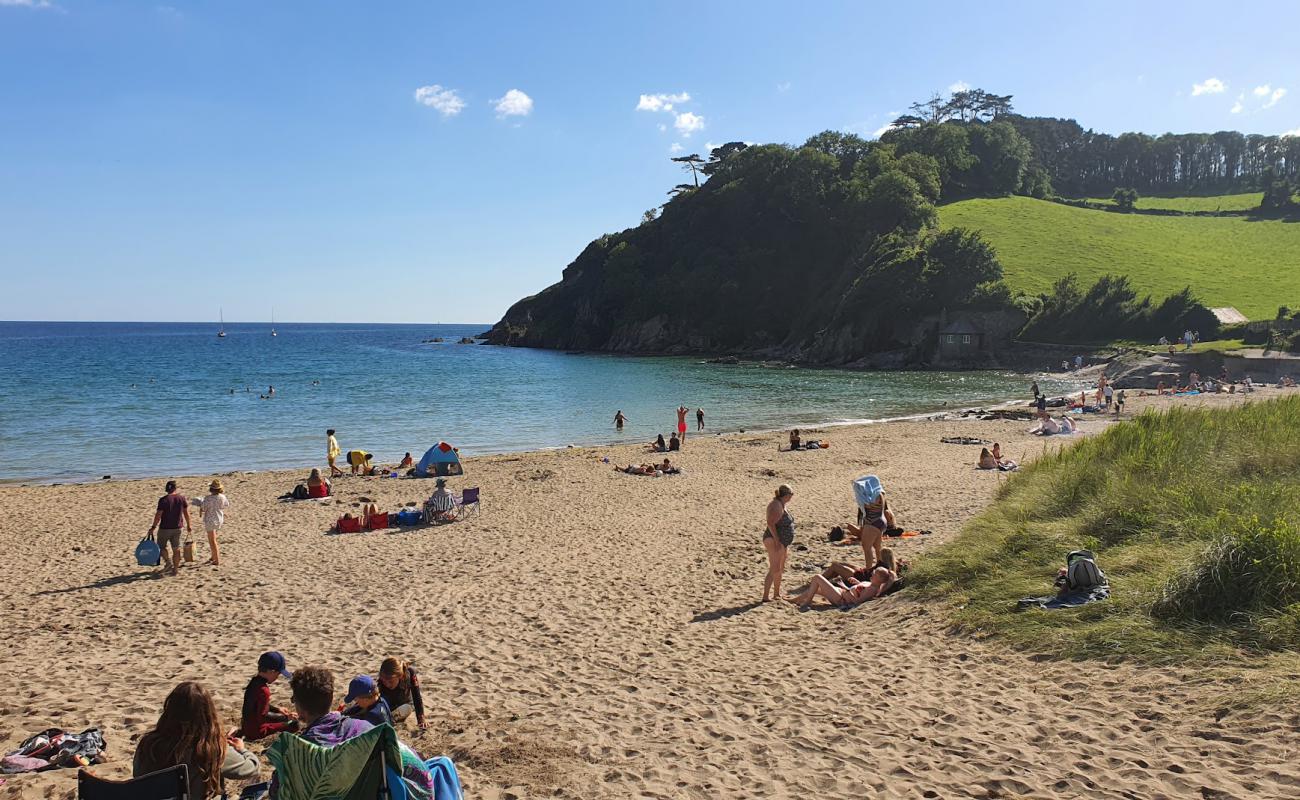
(83, 400)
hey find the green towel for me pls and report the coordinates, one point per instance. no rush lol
(349, 771)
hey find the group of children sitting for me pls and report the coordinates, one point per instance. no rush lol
(189, 730)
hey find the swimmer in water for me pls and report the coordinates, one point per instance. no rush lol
(270, 391)
(619, 419)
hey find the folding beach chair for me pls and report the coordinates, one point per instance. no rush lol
(440, 510)
(172, 783)
(367, 767)
(468, 498)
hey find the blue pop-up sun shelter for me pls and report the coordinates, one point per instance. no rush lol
(441, 459)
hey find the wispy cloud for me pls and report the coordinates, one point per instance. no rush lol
(1295, 132)
(882, 130)
(959, 86)
(514, 103)
(661, 102)
(1209, 86)
(783, 87)
(1274, 96)
(1237, 106)
(27, 4)
(446, 101)
(687, 123)
(676, 148)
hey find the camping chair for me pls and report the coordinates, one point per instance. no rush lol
(468, 498)
(367, 767)
(440, 512)
(172, 783)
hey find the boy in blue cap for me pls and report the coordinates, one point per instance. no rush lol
(260, 719)
(364, 702)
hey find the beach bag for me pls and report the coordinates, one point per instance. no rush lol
(409, 516)
(349, 525)
(1082, 572)
(300, 492)
(187, 552)
(377, 522)
(148, 553)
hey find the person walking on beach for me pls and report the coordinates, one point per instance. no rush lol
(682, 411)
(214, 516)
(332, 451)
(173, 509)
(778, 534)
(699, 419)
(619, 419)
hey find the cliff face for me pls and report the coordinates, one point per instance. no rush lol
(782, 253)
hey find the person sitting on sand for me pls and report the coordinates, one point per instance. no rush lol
(360, 461)
(668, 469)
(852, 592)
(659, 445)
(407, 462)
(259, 719)
(399, 684)
(189, 732)
(441, 506)
(795, 442)
(363, 701)
(317, 486)
(987, 461)
(1068, 425)
(1046, 427)
(1004, 464)
(674, 444)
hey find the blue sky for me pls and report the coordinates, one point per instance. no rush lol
(162, 161)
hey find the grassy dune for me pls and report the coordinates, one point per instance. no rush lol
(1233, 261)
(1223, 202)
(1192, 513)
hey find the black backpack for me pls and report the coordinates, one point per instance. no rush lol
(300, 492)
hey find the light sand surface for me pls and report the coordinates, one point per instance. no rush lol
(595, 635)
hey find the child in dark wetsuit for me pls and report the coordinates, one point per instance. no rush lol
(260, 719)
(399, 686)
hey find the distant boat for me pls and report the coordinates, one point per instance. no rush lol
(221, 334)
(273, 333)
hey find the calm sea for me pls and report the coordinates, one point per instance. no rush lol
(83, 400)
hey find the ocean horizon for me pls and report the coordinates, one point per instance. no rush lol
(140, 399)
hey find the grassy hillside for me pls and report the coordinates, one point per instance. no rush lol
(1193, 515)
(1224, 202)
(1233, 261)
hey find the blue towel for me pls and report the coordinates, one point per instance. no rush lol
(446, 782)
(866, 489)
(1073, 599)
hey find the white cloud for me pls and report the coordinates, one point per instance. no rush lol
(1295, 133)
(661, 102)
(888, 126)
(27, 3)
(1274, 96)
(446, 101)
(709, 147)
(676, 148)
(687, 123)
(514, 103)
(783, 87)
(663, 128)
(1209, 86)
(1263, 91)
(959, 86)
(1237, 106)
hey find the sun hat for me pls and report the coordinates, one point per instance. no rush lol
(440, 482)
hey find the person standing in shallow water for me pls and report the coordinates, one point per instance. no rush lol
(778, 534)
(619, 419)
(699, 419)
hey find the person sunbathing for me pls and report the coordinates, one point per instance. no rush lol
(796, 443)
(851, 592)
(1005, 464)
(317, 486)
(668, 469)
(407, 462)
(1047, 427)
(987, 461)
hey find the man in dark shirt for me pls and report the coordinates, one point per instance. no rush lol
(172, 509)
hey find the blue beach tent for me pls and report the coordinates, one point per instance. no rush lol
(442, 459)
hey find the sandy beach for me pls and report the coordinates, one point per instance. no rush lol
(592, 634)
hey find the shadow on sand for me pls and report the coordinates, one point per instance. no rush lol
(105, 583)
(723, 613)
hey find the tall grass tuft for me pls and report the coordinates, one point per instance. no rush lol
(1193, 514)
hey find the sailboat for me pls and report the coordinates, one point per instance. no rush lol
(273, 333)
(221, 334)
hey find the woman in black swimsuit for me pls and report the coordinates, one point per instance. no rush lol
(777, 536)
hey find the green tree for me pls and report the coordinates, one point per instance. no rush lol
(1125, 199)
(693, 164)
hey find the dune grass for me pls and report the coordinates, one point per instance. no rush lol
(1228, 261)
(1223, 202)
(1193, 514)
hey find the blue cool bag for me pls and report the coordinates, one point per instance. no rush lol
(147, 553)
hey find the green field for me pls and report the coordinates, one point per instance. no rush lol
(1228, 261)
(1224, 202)
(1192, 513)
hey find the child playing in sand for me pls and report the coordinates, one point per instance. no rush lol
(214, 516)
(363, 701)
(260, 719)
(400, 687)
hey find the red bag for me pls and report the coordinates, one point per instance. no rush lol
(349, 525)
(377, 522)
